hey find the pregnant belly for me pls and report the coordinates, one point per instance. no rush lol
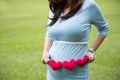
(62, 52)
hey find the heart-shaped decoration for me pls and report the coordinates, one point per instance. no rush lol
(82, 62)
(85, 60)
(69, 65)
(55, 65)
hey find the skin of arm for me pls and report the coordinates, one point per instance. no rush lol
(47, 45)
(95, 45)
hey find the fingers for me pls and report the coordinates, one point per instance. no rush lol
(45, 59)
(91, 60)
(91, 57)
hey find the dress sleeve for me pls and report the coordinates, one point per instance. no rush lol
(48, 33)
(98, 19)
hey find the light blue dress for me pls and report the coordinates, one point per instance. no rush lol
(74, 29)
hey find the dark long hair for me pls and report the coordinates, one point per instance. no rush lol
(57, 7)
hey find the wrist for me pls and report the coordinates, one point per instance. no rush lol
(92, 50)
(46, 51)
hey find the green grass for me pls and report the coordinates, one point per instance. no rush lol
(22, 32)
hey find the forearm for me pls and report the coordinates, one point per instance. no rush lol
(94, 47)
(97, 42)
(47, 45)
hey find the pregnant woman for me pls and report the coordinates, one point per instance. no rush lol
(67, 36)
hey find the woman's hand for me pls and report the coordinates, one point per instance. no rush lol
(45, 58)
(91, 56)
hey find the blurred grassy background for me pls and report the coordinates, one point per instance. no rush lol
(22, 32)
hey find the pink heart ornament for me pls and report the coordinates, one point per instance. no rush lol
(69, 65)
(55, 65)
